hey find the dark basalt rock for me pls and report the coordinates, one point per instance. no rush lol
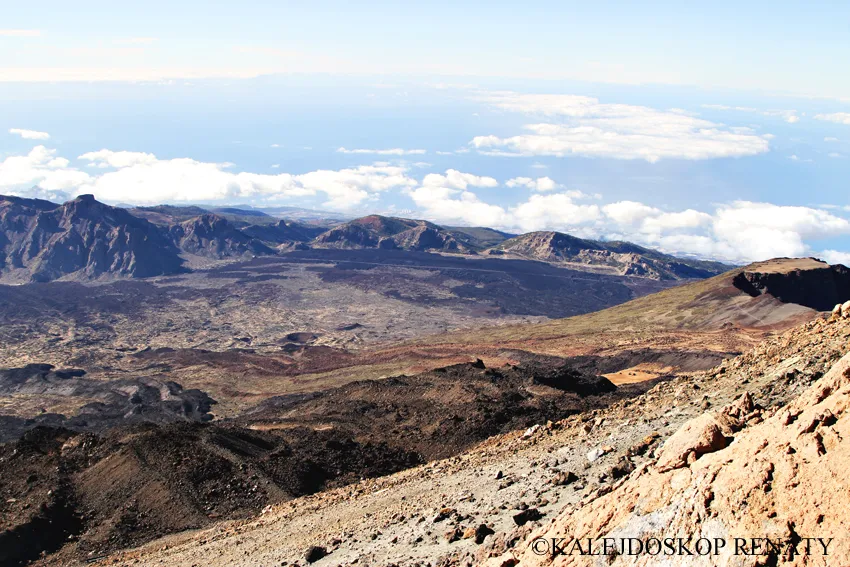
(819, 288)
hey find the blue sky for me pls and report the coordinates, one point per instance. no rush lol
(716, 130)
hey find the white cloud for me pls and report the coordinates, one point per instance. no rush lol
(452, 205)
(619, 131)
(629, 212)
(20, 33)
(29, 134)
(541, 184)
(835, 257)
(740, 232)
(835, 155)
(445, 197)
(389, 152)
(837, 117)
(546, 212)
(41, 169)
(108, 158)
(189, 180)
(764, 230)
(831, 139)
(143, 178)
(454, 179)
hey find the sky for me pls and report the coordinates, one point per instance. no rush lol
(716, 130)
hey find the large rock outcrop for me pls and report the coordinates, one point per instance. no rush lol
(805, 281)
(782, 477)
(82, 239)
(213, 236)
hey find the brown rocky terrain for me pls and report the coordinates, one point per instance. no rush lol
(742, 473)
(249, 332)
(232, 389)
(751, 448)
(138, 480)
(305, 321)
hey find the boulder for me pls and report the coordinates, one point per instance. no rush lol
(845, 309)
(529, 515)
(697, 437)
(314, 553)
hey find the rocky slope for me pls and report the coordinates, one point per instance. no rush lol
(376, 231)
(163, 475)
(752, 448)
(82, 239)
(620, 257)
(740, 474)
(213, 236)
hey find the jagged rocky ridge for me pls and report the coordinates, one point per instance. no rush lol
(376, 231)
(41, 241)
(84, 239)
(212, 236)
(626, 258)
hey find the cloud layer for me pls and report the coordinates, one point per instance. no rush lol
(582, 126)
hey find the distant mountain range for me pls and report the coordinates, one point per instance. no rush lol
(84, 239)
